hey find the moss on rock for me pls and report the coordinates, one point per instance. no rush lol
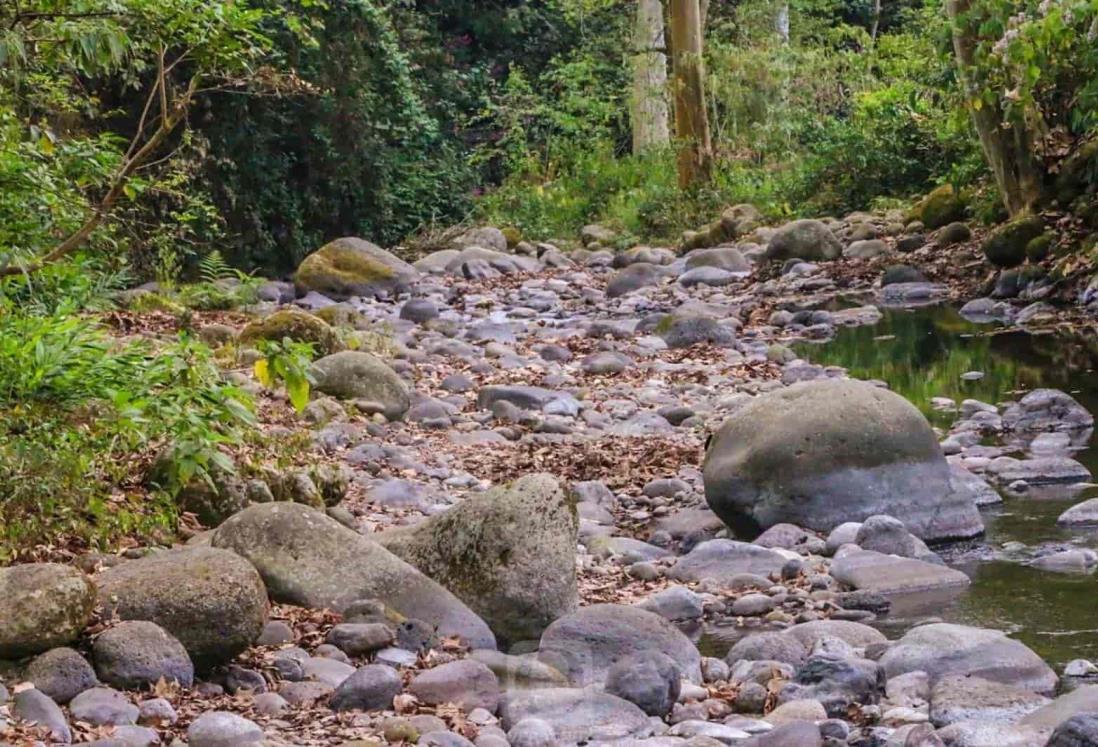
(352, 267)
(42, 606)
(1006, 246)
(942, 206)
(509, 554)
(297, 325)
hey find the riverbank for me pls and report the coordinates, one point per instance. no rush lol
(609, 372)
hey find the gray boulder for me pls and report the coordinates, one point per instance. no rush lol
(585, 644)
(768, 646)
(650, 680)
(42, 606)
(370, 688)
(35, 707)
(960, 697)
(866, 570)
(723, 559)
(509, 554)
(1046, 410)
(467, 683)
(723, 258)
(1081, 700)
(809, 240)
(353, 374)
(1077, 731)
(222, 729)
(212, 601)
(633, 278)
(137, 654)
(577, 716)
(311, 560)
(102, 706)
(942, 649)
(820, 453)
(61, 673)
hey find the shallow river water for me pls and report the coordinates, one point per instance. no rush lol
(923, 354)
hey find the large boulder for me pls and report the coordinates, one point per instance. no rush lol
(1006, 246)
(809, 240)
(296, 325)
(311, 560)
(212, 601)
(820, 453)
(942, 649)
(42, 606)
(585, 644)
(941, 207)
(509, 554)
(353, 374)
(353, 267)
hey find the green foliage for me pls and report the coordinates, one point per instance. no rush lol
(78, 411)
(286, 362)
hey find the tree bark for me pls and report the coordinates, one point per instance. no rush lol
(691, 116)
(650, 109)
(1008, 146)
(781, 22)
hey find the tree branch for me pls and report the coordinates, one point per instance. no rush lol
(135, 157)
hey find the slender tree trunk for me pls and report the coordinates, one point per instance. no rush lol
(876, 21)
(691, 116)
(781, 22)
(1008, 145)
(650, 110)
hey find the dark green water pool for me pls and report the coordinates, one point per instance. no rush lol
(922, 354)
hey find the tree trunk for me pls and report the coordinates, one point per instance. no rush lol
(650, 111)
(781, 22)
(691, 116)
(1008, 145)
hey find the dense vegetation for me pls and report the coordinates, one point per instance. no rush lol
(169, 139)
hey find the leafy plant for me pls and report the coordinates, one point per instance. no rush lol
(213, 267)
(286, 362)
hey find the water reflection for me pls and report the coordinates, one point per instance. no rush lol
(924, 354)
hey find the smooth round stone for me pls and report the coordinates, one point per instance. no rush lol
(222, 729)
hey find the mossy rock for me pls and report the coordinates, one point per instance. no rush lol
(342, 315)
(42, 606)
(513, 236)
(509, 554)
(141, 300)
(954, 233)
(1039, 248)
(297, 325)
(1006, 246)
(353, 267)
(1078, 173)
(942, 206)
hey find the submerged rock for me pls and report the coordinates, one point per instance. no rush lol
(311, 560)
(509, 554)
(817, 454)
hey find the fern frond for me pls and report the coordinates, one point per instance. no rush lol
(213, 267)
